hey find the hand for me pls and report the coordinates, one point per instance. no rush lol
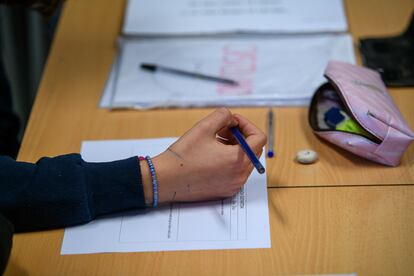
(206, 163)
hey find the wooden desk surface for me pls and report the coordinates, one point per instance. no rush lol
(314, 230)
(65, 111)
(368, 230)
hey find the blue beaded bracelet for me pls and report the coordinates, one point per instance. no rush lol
(154, 182)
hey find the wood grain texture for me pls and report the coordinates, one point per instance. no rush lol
(65, 111)
(367, 230)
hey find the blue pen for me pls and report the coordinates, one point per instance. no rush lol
(270, 152)
(240, 139)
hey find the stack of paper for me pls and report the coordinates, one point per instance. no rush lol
(284, 70)
(272, 69)
(194, 17)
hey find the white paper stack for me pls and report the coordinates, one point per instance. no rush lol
(283, 67)
(195, 17)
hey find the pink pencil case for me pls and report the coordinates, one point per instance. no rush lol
(354, 111)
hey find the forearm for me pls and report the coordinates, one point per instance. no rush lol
(65, 190)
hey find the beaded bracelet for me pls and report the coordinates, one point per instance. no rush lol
(154, 180)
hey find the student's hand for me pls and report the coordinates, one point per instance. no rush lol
(206, 163)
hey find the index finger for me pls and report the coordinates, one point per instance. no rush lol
(217, 120)
(253, 135)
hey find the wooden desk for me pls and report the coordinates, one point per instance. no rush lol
(368, 230)
(361, 228)
(65, 111)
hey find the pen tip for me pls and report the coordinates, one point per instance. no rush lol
(149, 67)
(270, 154)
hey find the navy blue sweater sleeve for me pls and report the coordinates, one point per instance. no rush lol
(66, 190)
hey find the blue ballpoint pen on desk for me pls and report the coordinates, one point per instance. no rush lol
(270, 152)
(240, 139)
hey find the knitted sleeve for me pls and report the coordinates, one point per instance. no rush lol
(66, 190)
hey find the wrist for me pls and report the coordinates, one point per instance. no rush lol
(167, 171)
(169, 174)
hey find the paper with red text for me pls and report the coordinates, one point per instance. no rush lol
(282, 70)
(238, 222)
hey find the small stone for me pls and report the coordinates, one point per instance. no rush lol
(306, 156)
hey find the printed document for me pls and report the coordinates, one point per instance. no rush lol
(238, 222)
(282, 70)
(160, 17)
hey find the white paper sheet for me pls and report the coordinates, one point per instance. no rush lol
(154, 17)
(238, 222)
(282, 70)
